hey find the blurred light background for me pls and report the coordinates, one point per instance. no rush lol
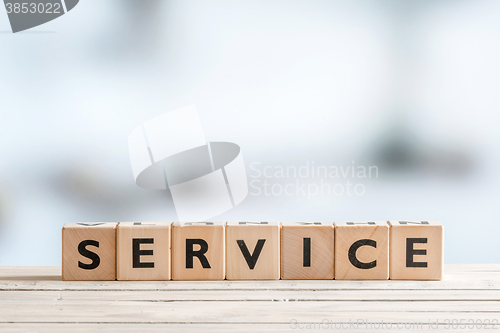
(410, 86)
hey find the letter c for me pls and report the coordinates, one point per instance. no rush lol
(352, 254)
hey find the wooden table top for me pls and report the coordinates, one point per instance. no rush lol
(34, 299)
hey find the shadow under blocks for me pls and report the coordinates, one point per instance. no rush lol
(241, 250)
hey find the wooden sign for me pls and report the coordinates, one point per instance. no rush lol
(366, 250)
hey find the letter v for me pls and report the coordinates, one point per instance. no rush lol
(251, 259)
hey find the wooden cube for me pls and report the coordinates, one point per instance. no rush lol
(198, 251)
(307, 250)
(361, 250)
(88, 251)
(143, 251)
(416, 250)
(253, 251)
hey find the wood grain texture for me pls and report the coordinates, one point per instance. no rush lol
(101, 240)
(159, 233)
(213, 233)
(313, 238)
(34, 299)
(428, 239)
(347, 235)
(267, 264)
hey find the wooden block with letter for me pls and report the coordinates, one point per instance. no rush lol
(253, 250)
(88, 251)
(307, 250)
(143, 251)
(361, 250)
(198, 251)
(416, 250)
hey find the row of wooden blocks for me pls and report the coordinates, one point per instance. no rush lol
(399, 250)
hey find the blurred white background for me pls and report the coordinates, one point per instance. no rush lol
(410, 86)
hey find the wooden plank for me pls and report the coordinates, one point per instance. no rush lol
(208, 328)
(35, 299)
(242, 312)
(457, 277)
(257, 295)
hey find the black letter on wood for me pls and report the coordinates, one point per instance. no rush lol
(200, 254)
(137, 253)
(251, 259)
(306, 259)
(352, 254)
(410, 252)
(88, 254)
